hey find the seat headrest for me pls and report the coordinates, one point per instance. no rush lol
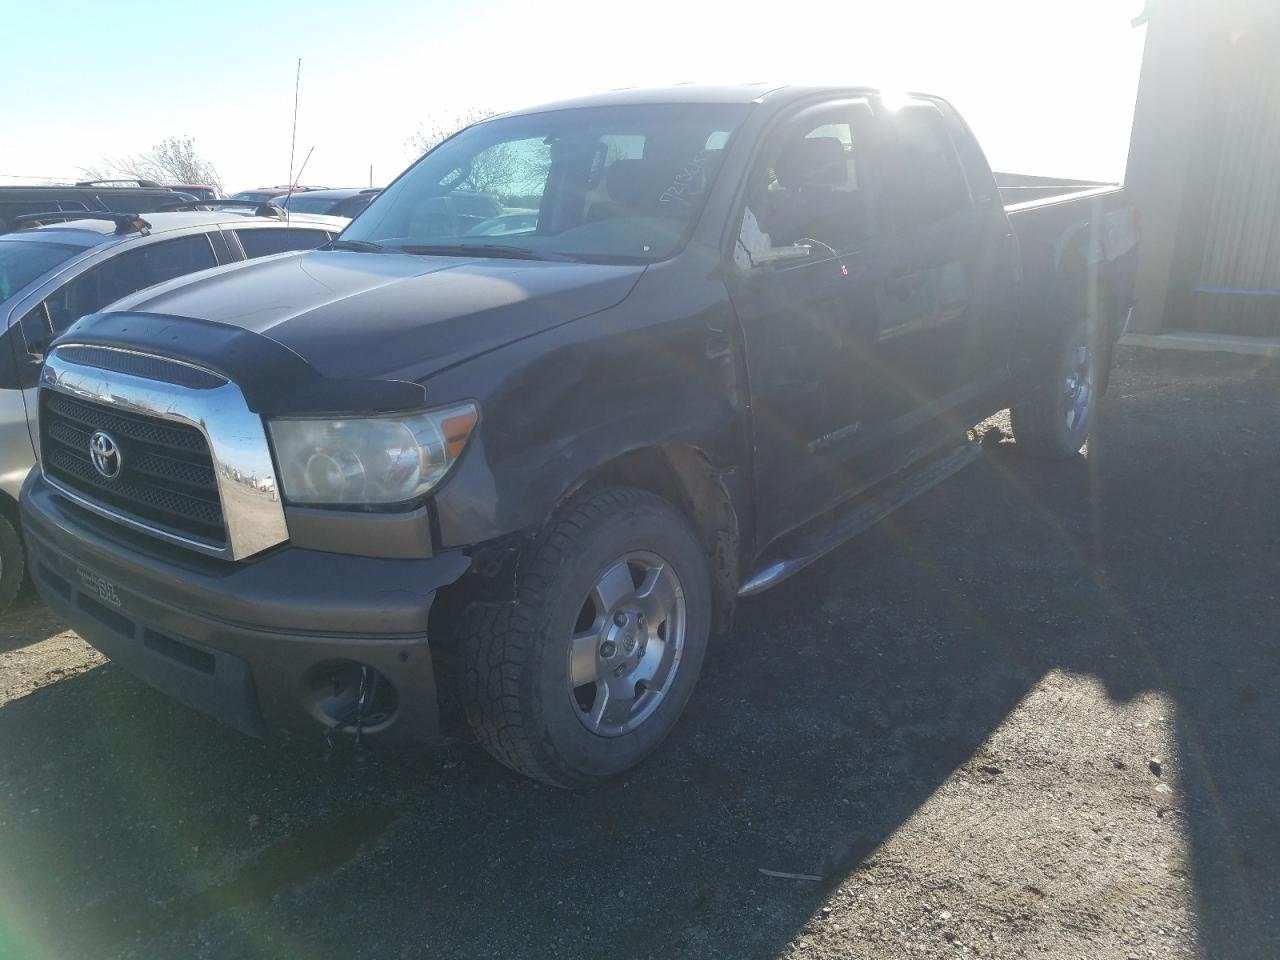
(813, 161)
(630, 182)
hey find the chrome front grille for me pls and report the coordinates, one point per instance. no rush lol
(166, 474)
(193, 467)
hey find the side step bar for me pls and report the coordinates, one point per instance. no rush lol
(816, 545)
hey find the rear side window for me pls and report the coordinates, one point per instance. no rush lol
(351, 206)
(21, 261)
(9, 209)
(301, 203)
(264, 241)
(923, 167)
(125, 274)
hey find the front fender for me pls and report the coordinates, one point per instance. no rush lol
(660, 369)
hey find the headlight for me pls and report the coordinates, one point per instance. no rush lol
(369, 460)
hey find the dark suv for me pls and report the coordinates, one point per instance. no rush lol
(101, 197)
(347, 202)
(733, 327)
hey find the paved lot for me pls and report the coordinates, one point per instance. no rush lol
(1033, 715)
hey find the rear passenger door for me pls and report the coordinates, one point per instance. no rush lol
(942, 329)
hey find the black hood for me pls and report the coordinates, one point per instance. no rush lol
(383, 315)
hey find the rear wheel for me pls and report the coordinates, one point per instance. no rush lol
(590, 669)
(1054, 422)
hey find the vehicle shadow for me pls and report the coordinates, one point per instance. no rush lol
(27, 622)
(841, 705)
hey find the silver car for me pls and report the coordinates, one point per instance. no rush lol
(60, 270)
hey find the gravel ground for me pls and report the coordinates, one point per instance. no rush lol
(1032, 715)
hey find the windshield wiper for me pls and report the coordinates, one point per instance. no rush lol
(362, 246)
(476, 250)
(615, 259)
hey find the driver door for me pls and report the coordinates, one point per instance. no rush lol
(812, 275)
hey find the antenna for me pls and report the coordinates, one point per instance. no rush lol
(293, 138)
(288, 225)
(302, 169)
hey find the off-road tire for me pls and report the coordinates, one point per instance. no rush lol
(1039, 422)
(515, 656)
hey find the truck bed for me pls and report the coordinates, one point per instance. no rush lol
(1050, 212)
(1019, 188)
(1064, 226)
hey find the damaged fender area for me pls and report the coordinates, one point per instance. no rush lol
(650, 393)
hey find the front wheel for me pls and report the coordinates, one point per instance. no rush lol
(1055, 420)
(590, 669)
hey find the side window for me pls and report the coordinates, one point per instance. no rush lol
(352, 205)
(924, 170)
(815, 188)
(263, 241)
(36, 329)
(11, 209)
(129, 272)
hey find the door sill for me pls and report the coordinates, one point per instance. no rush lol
(797, 552)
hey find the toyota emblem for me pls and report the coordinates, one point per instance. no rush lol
(105, 455)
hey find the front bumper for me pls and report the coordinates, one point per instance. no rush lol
(277, 645)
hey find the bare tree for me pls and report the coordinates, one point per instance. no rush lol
(436, 129)
(173, 160)
(512, 171)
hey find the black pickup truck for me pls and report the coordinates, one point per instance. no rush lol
(523, 456)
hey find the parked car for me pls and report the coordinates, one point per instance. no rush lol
(270, 193)
(50, 275)
(102, 197)
(199, 191)
(750, 322)
(334, 203)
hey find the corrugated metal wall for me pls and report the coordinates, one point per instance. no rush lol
(1239, 284)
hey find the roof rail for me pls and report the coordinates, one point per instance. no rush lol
(371, 190)
(125, 222)
(135, 181)
(260, 208)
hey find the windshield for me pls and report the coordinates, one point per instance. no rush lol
(21, 261)
(618, 184)
(301, 203)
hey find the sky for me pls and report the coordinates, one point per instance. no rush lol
(1047, 85)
